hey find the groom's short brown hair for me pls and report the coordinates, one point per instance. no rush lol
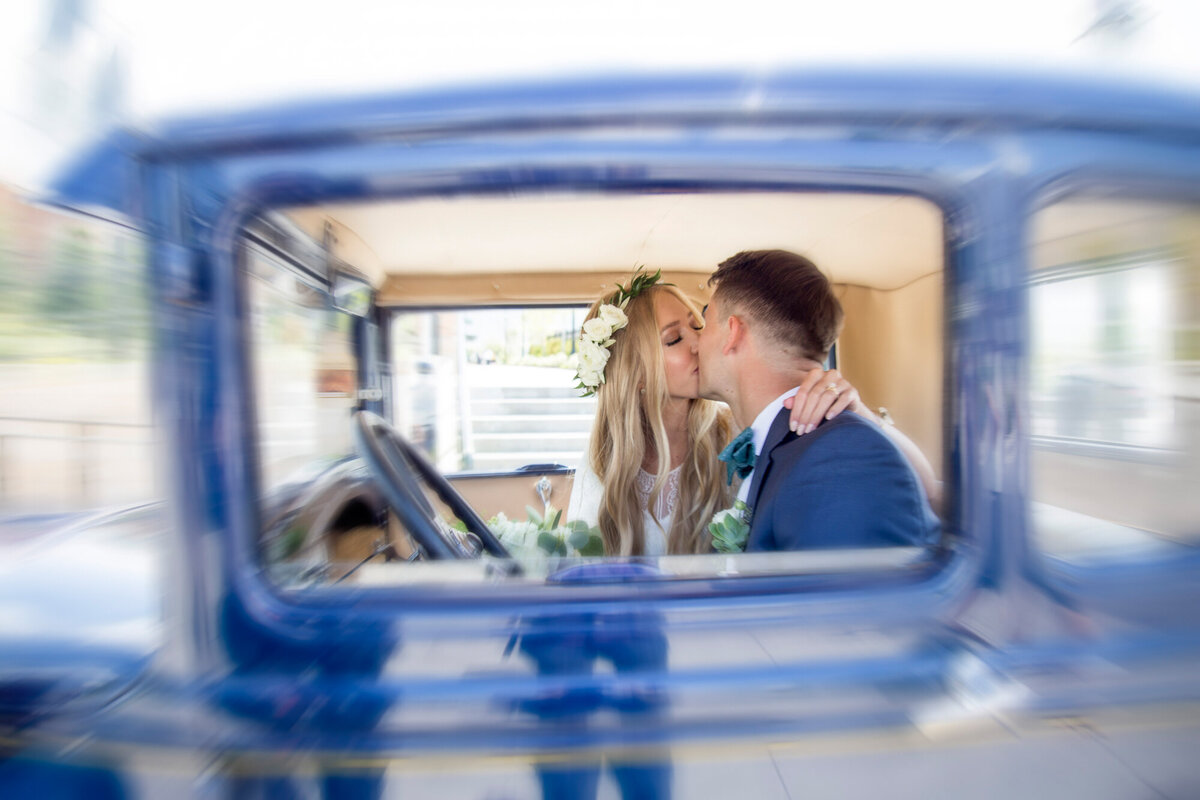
(786, 294)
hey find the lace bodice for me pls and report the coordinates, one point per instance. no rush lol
(664, 509)
(585, 504)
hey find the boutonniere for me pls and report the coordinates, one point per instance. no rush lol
(730, 528)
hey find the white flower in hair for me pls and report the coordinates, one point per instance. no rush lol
(614, 316)
(592, 360)
(596, 337)
(599, 329)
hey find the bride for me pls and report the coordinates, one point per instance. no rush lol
(651, 480)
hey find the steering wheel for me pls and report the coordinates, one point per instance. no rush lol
(393, 462)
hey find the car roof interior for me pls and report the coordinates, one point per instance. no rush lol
(409, 248)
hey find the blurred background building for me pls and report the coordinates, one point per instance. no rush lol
(67, 82)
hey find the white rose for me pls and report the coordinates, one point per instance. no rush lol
(614, 316)
(597, 329)
(592, 359)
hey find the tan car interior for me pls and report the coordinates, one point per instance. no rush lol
(883, 252)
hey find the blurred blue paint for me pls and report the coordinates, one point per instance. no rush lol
(591, 670)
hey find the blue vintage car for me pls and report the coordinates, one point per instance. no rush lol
(355, 324)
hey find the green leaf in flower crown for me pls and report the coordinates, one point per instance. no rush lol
(557, 517)
(534, 516)
(640, 282)
(577, 525)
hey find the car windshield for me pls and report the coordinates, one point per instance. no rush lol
(479, 304)
(491, 390)
(304, 370)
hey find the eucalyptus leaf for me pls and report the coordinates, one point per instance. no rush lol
(594, 546)
(578, 540)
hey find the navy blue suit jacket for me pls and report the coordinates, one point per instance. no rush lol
(843, 485)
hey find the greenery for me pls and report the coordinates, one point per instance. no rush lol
(542, 536)
(556, 540)
(730, 528)
(640, 282)
(86, 301)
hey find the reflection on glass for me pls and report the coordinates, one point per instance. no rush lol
(304, 372)
(75, 417)
(1115, 377)
(574, 646)
(1102, 343)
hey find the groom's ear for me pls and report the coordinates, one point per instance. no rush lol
(735, 334)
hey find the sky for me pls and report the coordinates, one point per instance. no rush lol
(189, 57)
(215, 53)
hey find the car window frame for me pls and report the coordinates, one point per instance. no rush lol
(925, 590)
(1125, 583)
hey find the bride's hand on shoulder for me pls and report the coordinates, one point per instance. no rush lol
(822, 395)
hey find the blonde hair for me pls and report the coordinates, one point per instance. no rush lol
(629, 421)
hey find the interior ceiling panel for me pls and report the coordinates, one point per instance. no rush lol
(874, 240)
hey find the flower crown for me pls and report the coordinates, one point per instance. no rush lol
(597, 335)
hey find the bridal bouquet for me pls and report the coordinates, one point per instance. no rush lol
(542, 536)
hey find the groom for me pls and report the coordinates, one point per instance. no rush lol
(772, 318)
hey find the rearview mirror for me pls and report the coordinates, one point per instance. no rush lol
(351, 294)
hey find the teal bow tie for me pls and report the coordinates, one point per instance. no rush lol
(739, 455)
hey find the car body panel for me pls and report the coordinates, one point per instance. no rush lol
(978, 669)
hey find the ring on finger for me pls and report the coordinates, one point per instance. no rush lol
(832, 387)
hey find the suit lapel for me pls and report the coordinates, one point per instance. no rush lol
(775, 436)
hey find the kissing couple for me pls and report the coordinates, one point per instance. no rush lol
(811, 468)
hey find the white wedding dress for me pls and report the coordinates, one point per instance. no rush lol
(585, 504)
